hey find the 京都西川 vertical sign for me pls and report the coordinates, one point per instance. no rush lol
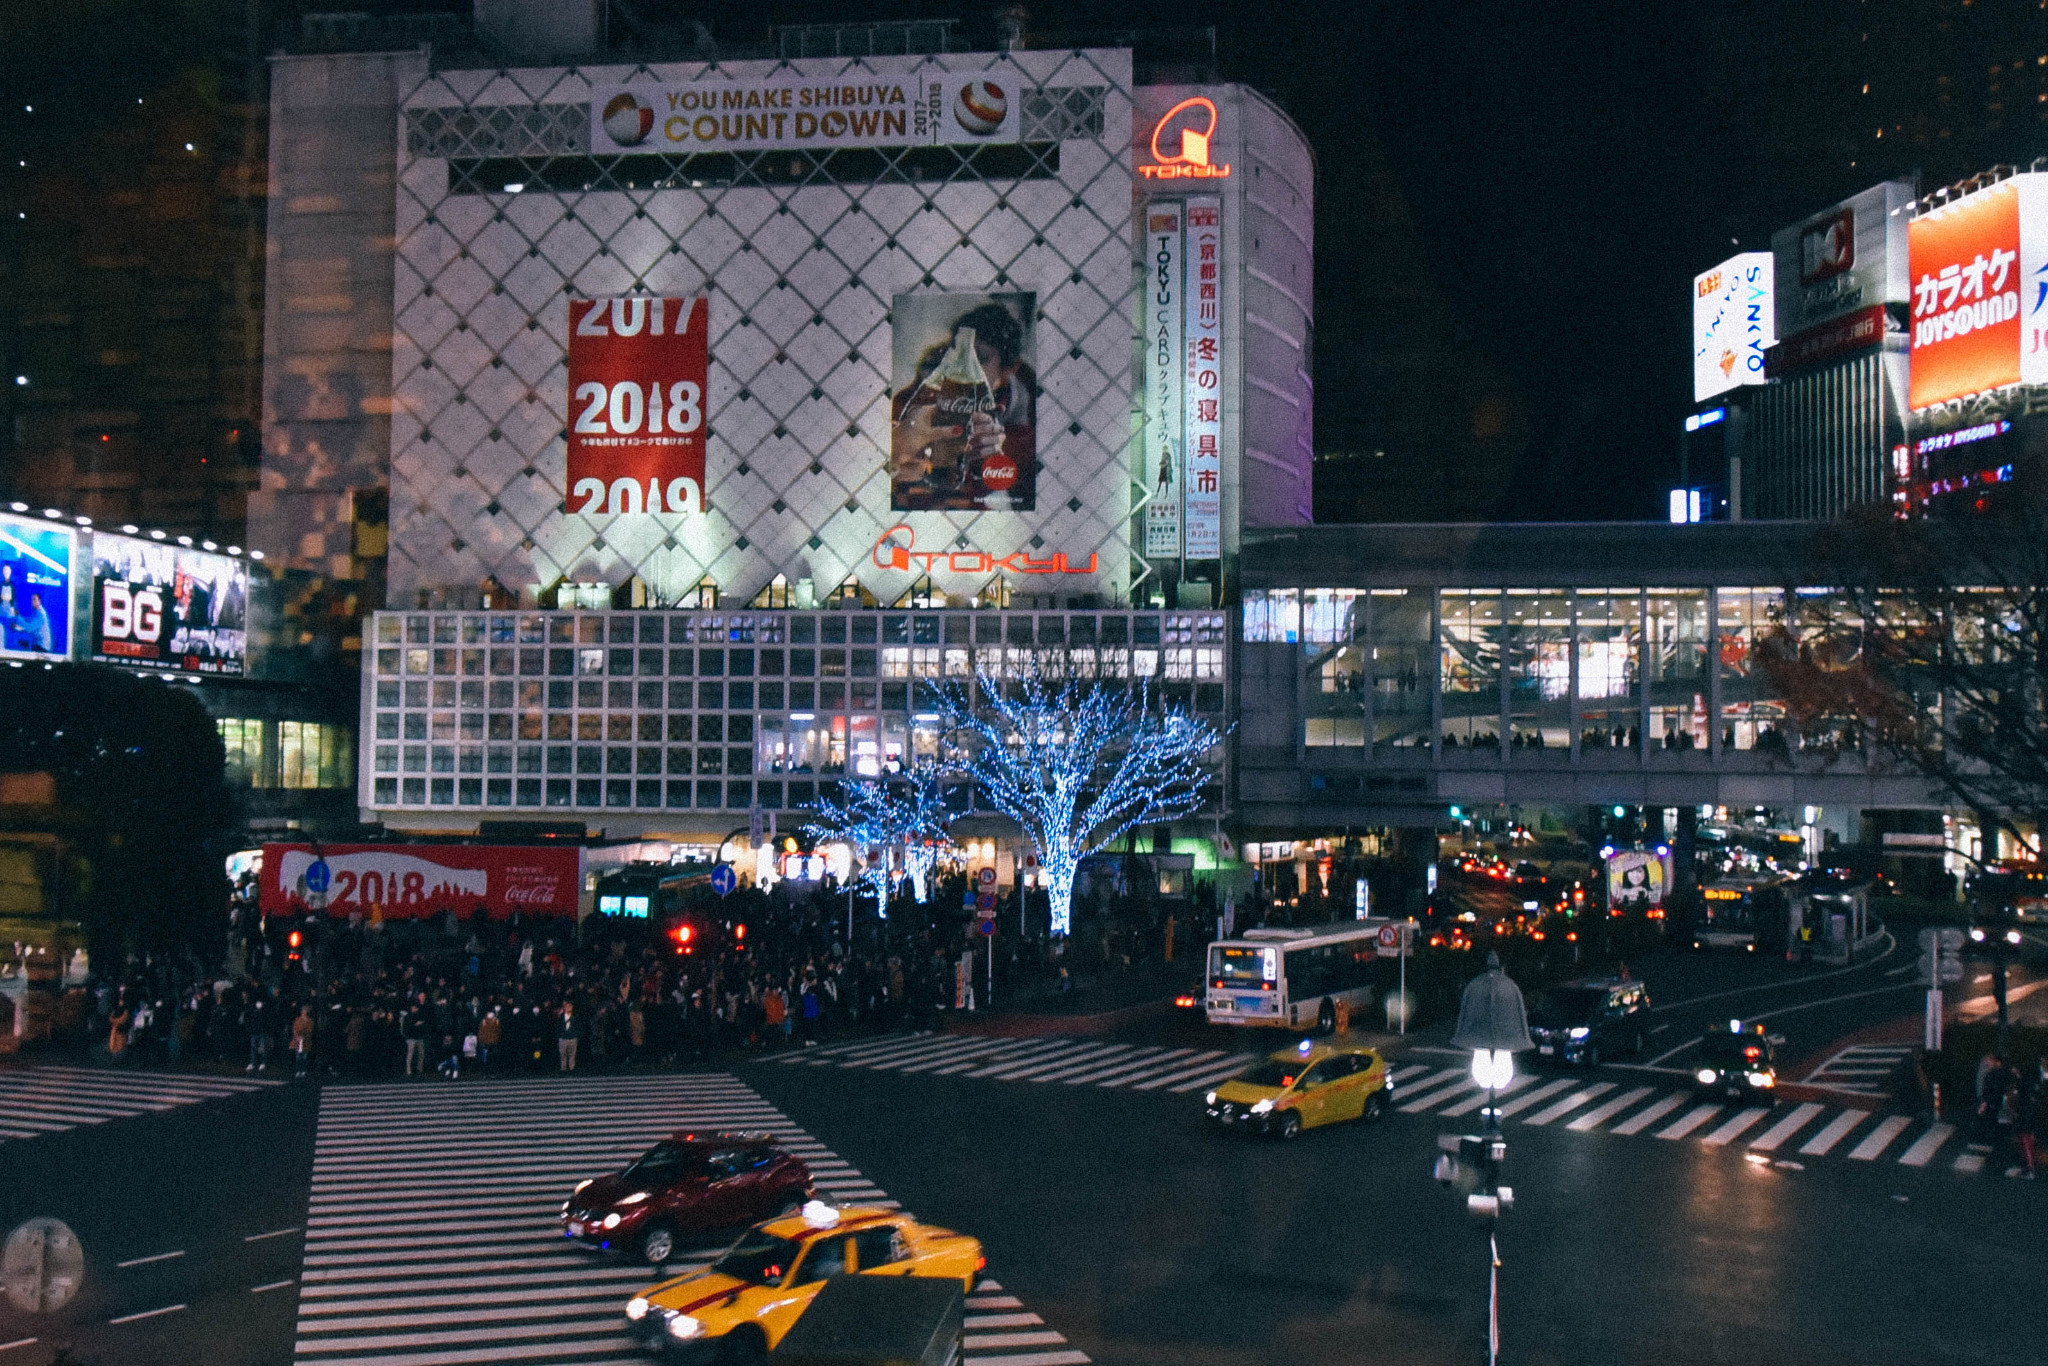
(1163, 340)
(1203, 404)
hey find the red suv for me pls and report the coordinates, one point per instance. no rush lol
(686, 1183)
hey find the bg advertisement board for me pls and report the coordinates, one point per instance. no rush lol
(160, 606)
(1973, 328)
(856, 110)
(638, 367)
(1732, 324)
(964, 422)
(413, 880)
(1839, 261)
(36, 559)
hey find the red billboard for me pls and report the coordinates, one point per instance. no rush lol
(1966, 296)
(407, 880)
(637, 370)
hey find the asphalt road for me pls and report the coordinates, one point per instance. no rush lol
(190, 1222)
(1148, 1240)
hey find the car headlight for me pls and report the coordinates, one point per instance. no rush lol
(635, 1198)
(565, 1209)
(682, 1327)
(1707, 1075)
(611, 1221)
(1262, 1107)
(1578, 1032)
(1209, 1099)
(1762, 1079)
(636, 1308)
(2012, 936)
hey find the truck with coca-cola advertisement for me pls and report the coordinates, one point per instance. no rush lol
(417, 880)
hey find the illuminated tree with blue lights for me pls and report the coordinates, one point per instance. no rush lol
(1077, 766)
(899, 817)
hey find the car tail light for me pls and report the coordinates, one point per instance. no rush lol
(981, 1263)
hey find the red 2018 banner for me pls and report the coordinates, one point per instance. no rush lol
(409, 880)
(637, 371)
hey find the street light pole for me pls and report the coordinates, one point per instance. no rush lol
(1493, 1023)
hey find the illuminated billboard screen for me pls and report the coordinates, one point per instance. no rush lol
(162, 606)
(965, 430)
(1732, 324)
(1974, 326)
(35, 589)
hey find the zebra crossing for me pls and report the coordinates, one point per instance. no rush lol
(432, 1236)
(1586, 1106)
(1862, 1069)
(39, 1100)
(1068, 1061)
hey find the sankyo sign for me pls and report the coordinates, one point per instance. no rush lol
(637, 370)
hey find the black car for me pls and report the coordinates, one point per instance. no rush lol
(1737, 1062)
(1583, 1022)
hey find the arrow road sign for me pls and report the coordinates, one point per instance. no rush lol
(723, 879)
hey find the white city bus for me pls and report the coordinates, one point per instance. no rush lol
(1293, 978)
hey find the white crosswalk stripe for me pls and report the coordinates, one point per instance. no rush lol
(1862, 1069)
(1047, 1059)
(47, 1100)
(432, 1236)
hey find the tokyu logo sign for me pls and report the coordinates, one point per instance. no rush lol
(1190, 127)
(897, 549)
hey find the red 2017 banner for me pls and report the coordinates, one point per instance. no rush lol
(637, 371)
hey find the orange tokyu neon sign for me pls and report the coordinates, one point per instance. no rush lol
(897, 549)
(1191, 162)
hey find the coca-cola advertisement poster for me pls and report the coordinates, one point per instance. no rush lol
(411, 880)
(637, 371)
(964, 373)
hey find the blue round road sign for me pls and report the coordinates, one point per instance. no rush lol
(318, 875)
(723, 879)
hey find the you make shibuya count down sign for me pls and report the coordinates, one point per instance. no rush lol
(637, 371)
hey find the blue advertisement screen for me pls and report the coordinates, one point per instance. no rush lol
(35, 589)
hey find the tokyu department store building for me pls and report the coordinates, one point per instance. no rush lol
(702, 410)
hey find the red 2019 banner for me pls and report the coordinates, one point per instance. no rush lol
(637, 371)
(408, 880)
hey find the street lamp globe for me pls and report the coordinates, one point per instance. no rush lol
(1493, 1023)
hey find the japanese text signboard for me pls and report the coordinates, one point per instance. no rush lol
(1203, 502)
(637, 371)
(1164, 322)
(1980, 302)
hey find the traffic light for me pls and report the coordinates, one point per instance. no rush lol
(292, 944)
(739, 934)
(1457, 813)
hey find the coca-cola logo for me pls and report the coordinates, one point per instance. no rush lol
(539, 894)
(999, 472)
(964, 403)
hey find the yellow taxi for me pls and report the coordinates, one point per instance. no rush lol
(1301, 1087)
(740, 1306)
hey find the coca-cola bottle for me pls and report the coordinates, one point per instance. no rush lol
(956, 391)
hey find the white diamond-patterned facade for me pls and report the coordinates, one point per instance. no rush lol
(430, 229)
(802, 266)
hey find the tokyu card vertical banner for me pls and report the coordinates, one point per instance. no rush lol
(1203, 502)
(1163, 340)
(637, 371)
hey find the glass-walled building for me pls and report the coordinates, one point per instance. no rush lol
(1386, 672)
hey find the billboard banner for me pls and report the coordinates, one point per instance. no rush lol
(36, 559)
(413, 880)
(929, 109)
(1732, 324)
(161, 606)
(1202, 522)
(1973, 328)
(964, 425)
(638, 366)
(1841, 261)
(1637, 879)
(1164, 322)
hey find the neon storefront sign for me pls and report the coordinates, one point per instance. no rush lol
(1197, 130)
(897, 549)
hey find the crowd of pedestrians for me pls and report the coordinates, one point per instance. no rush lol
(451, 993)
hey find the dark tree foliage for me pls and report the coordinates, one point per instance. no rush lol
(142, 795)
(1932, 649)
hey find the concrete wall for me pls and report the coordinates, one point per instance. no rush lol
(328, 303)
